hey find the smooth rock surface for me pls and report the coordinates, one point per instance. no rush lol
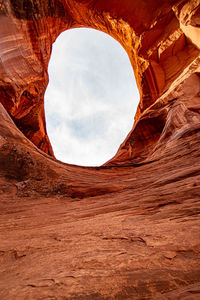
(131, 228)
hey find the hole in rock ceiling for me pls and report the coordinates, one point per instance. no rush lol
(91, 98)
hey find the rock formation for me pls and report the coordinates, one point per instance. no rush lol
(128, 229)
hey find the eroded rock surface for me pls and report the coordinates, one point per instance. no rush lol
(128, 229)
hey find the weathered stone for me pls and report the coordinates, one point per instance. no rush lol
(128, 229)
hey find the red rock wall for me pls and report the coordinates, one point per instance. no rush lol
(160, 39)
(129, 229)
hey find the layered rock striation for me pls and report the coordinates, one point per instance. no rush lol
(128, 229)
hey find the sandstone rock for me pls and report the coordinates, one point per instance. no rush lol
(128, 229)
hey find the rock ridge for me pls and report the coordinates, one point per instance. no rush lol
(125, 230)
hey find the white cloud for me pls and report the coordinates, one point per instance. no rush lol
(91, 98)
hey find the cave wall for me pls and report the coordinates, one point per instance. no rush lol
(161, 41)
(125, 230)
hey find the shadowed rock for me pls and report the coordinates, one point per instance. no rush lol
(128, 229)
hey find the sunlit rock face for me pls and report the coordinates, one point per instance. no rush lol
(129, 229)
(161, 40)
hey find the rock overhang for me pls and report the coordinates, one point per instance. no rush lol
(151, 33)
(133, 223)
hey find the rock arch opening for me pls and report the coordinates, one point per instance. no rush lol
(91, 98)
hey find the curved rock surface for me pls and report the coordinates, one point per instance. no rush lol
(128, 229)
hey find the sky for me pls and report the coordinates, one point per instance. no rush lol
(91, 99)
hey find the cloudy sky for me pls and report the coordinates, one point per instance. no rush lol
(91, 98)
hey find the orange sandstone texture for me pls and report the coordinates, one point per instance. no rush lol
(161, 39)
(128, 229)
